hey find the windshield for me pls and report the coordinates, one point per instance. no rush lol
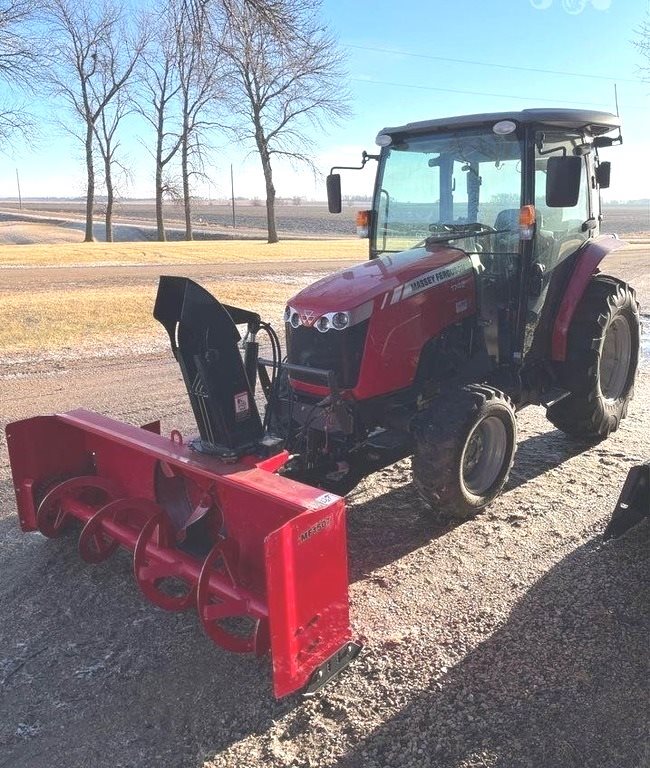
(447, 186)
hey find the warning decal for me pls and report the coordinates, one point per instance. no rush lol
(242, 406)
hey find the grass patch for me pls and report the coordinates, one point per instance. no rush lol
(194, 252)
(86, 317)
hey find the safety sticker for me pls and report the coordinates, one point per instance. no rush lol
(242, 406)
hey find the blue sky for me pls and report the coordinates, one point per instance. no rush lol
(410, 61)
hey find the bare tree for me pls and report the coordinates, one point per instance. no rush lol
(17, 59)
(178, 88)
(159, 89)
(92, 59)
(284, 85)
(199, 69)
(276, 14)
(108, 142)
(642, 44)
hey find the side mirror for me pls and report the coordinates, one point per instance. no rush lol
(334, 192)
(563, 175)
(603, 174)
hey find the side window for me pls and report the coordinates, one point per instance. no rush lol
(559, 230)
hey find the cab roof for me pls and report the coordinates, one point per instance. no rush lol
(592, 122)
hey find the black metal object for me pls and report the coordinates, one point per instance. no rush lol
(204, 338)
(633, 504)
(333, 402)
(332, 667)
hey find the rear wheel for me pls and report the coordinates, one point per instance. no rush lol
(464, 449)
(602, 360)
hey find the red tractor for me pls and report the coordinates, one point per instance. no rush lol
(482, 295)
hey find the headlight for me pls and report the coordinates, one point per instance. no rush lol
(287, 314)
(323, 323)
(340, 320)
(295, 319)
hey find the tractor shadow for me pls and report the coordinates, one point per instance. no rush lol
(539, 453)
(562, 683)
(384, 527)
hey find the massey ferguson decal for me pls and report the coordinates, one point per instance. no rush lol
(428, 280)
(436, 276)
(307, 317)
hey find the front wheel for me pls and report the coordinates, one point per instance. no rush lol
(602, 360)
(464, 448)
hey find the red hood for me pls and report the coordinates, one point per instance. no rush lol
(352, 287)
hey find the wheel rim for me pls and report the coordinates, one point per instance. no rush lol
(615, 359)
(483, 456)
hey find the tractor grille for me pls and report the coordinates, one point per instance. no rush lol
(338, 351)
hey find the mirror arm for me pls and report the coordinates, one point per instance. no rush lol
(550, 151)
(364, 159)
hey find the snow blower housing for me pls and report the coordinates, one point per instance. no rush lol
(482, 295)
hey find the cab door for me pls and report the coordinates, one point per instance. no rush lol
(559, 233)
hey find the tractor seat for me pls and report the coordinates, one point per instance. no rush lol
(508, 219)
(508, 241)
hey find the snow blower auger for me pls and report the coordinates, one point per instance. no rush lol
(633, 504)
(211, 525)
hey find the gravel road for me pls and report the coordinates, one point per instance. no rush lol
(514, 640)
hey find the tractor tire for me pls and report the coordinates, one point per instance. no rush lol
(464, 448)
(602, 360)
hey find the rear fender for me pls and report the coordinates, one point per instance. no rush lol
(587, 263)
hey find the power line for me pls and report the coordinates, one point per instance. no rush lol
(497, 66)
(477, 93)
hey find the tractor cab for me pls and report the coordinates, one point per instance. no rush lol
(519, 192)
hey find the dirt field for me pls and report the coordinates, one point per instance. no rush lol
(136, 219)
(515, 640)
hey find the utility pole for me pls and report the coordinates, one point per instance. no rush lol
(232, 195)
(20, 199)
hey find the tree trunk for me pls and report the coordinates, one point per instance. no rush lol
(186, 184)
(160, 224)
(90, 191)
(265, 157)
(270, 193)
(109, 200)
(270, 206)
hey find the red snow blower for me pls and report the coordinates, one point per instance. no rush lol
(211, 524)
